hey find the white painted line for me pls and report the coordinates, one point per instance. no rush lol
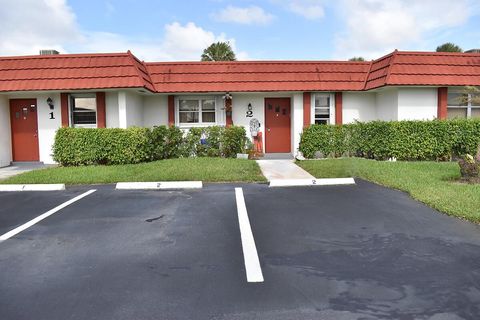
(311, 182)
(250, 255)
(43, 216)
(159, 185)
(31, 187)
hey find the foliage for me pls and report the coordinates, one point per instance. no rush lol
(470, 94)
(81, 146)
(403, 140)
(219, 51)
(357, 59)
(449, 47)
(233, 141)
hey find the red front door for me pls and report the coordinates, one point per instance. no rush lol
(23, 119)
(277, 125)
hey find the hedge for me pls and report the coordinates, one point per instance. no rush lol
(82, 146)
(403, 140)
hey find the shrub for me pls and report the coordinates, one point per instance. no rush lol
(233, 141)
(404, 140)
(81, 146)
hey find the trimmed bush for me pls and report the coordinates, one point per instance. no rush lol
(81, 146)
(404, 140)
(233, 141)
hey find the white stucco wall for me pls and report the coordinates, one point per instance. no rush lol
(359, 106)
(130, 109)
(296, 121)
(155, 110)
(111, 109)
(47, 127)
(240, 107)
(417, 103)
(134, 109)
(5, 133)
(387, 104)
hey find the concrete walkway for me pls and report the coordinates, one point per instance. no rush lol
(17, 168)
(282, 169)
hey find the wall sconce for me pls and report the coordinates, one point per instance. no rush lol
(50, 103)
(227, 96)
(228, 104)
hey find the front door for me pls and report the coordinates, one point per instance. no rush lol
(277, 125)
(23, 119)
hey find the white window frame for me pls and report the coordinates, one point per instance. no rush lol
(71, 97)
(200, 123)
(331, 118)
(469, 105)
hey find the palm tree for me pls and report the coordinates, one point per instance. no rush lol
(449, 47)
(357, 59)
(219, 51)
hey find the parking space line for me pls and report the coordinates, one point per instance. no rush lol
(250, 255)
(43, 216)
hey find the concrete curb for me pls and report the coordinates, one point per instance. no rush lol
(311, 182)
(159, 185)
(31, 187)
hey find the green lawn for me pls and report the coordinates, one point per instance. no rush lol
(204, 169)
(433, 183)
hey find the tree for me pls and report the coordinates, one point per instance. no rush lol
(449, 47)
(357, 59)
(219, 51)
(470, 93)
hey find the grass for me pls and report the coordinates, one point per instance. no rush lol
(204, 169)
(433, 183)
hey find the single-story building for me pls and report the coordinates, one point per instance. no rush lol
(39, 94)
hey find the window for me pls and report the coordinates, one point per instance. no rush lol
(196, 111)
(463, 105)
(322, 109)
(83, 111)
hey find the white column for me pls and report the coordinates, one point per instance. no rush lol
(5, 136)
(297, 121)
(122, 109)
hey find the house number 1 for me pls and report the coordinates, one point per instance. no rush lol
(51, 116)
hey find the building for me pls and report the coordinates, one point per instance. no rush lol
(39, 94)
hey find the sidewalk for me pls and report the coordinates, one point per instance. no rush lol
(17, 168)
(282, 169)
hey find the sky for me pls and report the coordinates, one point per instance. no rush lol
(257, 30)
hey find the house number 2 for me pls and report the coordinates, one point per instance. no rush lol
(249, 111)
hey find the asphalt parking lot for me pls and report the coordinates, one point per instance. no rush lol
(333, 252)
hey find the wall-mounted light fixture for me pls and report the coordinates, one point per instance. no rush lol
(228, 104)
(227, 96)
(50, 103)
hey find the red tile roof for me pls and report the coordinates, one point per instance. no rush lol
(403, 68)
(124, 70)
(258, 76)
(73, 72)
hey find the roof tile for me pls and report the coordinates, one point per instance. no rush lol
(124, 70)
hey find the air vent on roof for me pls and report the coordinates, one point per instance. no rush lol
(48, 52)
(473, 51)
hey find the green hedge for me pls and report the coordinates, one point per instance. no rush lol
(81, 146)
(404, 140)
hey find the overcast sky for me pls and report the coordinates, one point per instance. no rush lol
(270, 29)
